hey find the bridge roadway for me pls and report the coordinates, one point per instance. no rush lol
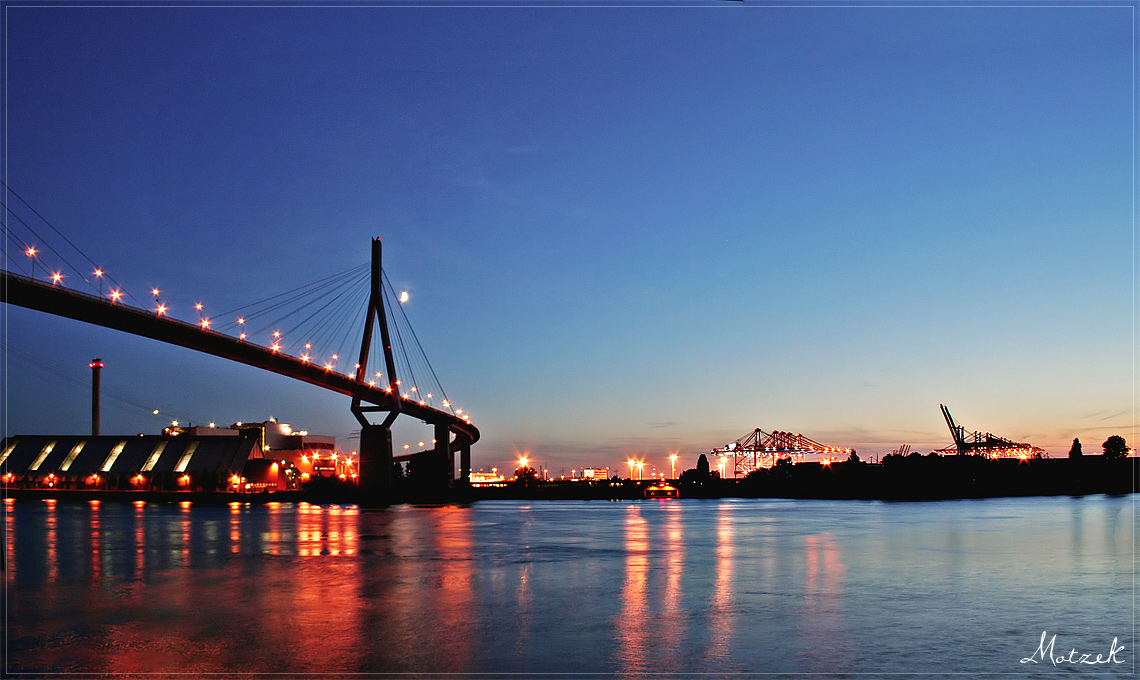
(25, 292)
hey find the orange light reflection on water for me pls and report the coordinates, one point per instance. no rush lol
(427, 577)
(327, 531)
(186, 525)
(822, 614)
(95, 530)
(274, 528)
(235, 527)
(721, 617)
(633, 623)
(671, 627)
(316, 611)
(455, 599)
(52, 541)
(9, 537)
(140, 538)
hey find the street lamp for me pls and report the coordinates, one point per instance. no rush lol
(673, 462)
(720, 465)
(631, 462)
(640, 464)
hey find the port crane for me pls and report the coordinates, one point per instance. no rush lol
(759, 449)
(986, 444)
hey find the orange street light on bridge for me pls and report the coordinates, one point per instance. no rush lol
(673, 462)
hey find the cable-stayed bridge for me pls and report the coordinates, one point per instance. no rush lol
(321, 333)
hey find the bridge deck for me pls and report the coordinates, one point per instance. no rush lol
(24, 292)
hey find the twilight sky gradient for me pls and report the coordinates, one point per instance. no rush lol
(625, 230)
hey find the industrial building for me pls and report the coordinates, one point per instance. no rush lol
(245, 457)
(215, 462)
(308, 455)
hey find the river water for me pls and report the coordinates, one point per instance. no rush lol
(594, 587)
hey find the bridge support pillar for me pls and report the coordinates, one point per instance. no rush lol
(465, 464)
(444, 456)
(376, 462)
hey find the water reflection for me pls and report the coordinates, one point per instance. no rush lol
(623, 588)
(455, 601)
(671, 622)
(95, 532)
(185, 525)
(52, 541)
(721, 616)
(821, 619)
(633, 621)
(140, 538)
(9, 536)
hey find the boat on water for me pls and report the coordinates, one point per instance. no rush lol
(661, 490)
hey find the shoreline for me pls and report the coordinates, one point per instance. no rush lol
(916, 478)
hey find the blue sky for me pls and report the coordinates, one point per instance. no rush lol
(625, 230)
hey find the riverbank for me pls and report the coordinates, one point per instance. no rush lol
(914, 478)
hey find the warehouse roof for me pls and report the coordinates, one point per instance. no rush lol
(69, 455)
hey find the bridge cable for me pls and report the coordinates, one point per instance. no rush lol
(422, 354)
(306, 286)
(8, 231)
(46, 243)
(61, 235)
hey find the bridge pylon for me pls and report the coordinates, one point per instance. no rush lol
(453, 433)
(376, 457)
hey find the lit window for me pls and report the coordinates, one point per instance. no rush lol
(150, 463)
(114, 455)
(8, 451)
(185, 459)
(43, 454)
(71, 456)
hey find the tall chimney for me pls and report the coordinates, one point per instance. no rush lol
(96, 366)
